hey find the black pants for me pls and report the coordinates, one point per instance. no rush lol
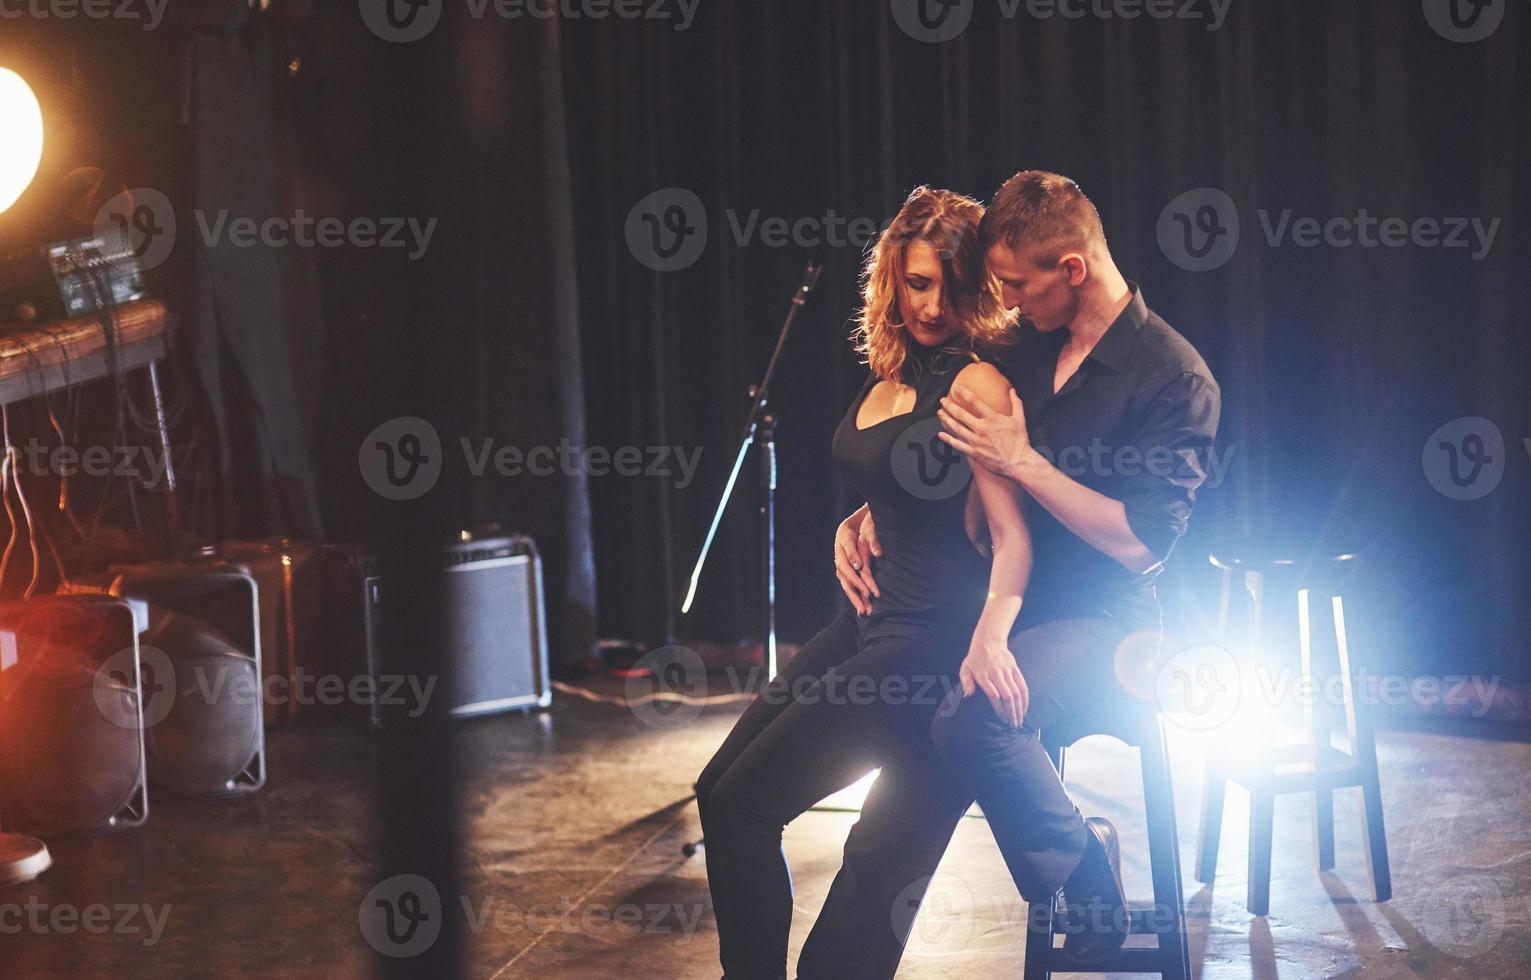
(785, 755)
(859, 695)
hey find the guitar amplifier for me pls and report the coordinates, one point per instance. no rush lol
(494, 627)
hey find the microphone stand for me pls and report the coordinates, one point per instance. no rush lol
(760, 428)
(22, 858)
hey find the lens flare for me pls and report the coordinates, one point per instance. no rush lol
(21, 120)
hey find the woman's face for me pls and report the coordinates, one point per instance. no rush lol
(922, 297)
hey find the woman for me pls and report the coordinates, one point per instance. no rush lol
(863, 692)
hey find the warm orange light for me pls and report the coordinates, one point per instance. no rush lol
(21, 120)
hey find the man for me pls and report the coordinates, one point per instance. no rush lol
(1109, 437)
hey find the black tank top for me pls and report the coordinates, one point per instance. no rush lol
(917, 488)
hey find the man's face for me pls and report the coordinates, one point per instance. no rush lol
(1043, 295)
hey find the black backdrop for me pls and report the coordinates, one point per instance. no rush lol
(1336, 364)
(531, 319)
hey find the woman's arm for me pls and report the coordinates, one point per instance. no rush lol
(990, 666)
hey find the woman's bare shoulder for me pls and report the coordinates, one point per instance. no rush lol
(987, 382)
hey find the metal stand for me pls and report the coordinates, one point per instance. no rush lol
(22, 858)
(759, 427)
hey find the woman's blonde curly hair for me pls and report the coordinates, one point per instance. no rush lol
(949, 222)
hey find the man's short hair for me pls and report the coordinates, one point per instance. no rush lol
(1042, 213)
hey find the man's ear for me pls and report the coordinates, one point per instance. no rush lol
(1076, 267)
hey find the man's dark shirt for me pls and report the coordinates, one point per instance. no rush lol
(1136, 422)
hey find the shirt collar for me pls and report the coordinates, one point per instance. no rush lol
(1116, 344)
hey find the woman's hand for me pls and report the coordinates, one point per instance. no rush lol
(855, 546)
(991, 668)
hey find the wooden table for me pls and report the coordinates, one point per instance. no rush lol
(36, 359)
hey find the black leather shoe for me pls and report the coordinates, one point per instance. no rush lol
(1096, 924)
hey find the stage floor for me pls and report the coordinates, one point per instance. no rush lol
(576, 819)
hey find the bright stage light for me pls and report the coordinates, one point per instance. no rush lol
(852, 797)
(21, 120)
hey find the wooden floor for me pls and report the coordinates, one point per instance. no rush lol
(575, 822)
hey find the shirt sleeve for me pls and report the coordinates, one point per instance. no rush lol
(1174, 439)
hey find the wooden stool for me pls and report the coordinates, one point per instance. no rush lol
(1318, 766)
(1165, 919)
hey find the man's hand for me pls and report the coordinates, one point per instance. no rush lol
(991, 668)
(855, 546)
(999, 443)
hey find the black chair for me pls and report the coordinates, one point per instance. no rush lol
(1296, 575)
(1140, 726)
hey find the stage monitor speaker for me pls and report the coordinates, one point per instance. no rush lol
(203, 632)
(72, 752)
(494, 626)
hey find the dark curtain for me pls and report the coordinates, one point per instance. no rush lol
(530, 142)
(296, 353)
(1337, 364)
